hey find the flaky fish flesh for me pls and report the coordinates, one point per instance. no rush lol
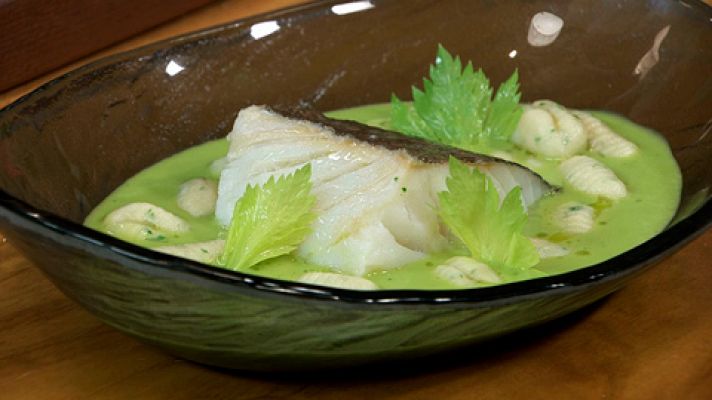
(376, 190)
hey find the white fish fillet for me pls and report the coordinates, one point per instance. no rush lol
(376, 207)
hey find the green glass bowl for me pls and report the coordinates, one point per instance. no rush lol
(68, 144)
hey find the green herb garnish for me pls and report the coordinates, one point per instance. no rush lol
(456, 107)
(492, 232)
(269, 220)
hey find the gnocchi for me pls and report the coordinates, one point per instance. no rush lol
(144, 221)
(549, 130)
(590, 176)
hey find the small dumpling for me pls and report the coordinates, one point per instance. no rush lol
(574, 217)
(466, 271)
(144, 221)
(197, 197)
(547, 249)
(602, 139)
(336, 280)
(590, 176)
(549, 130)
(205, 252)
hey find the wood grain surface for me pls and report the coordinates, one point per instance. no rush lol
(651, 340)
(37, 36)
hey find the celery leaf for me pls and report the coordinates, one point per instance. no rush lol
(456, 107)
(490, 231)
(505, 111)
(269, 220)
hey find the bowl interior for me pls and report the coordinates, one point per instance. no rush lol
(66, 146)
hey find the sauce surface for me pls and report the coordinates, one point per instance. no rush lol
(652, 178)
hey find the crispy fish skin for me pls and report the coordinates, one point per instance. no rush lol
(420, 149)
(376, 190)
(424, 151)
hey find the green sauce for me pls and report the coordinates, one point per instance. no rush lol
(652, 177)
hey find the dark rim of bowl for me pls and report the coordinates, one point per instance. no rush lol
(98, 243)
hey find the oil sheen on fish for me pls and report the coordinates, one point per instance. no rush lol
(376, 191)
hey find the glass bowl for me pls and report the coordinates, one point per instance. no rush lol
(68, 144)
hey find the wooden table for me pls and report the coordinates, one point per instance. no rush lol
(651, 340)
